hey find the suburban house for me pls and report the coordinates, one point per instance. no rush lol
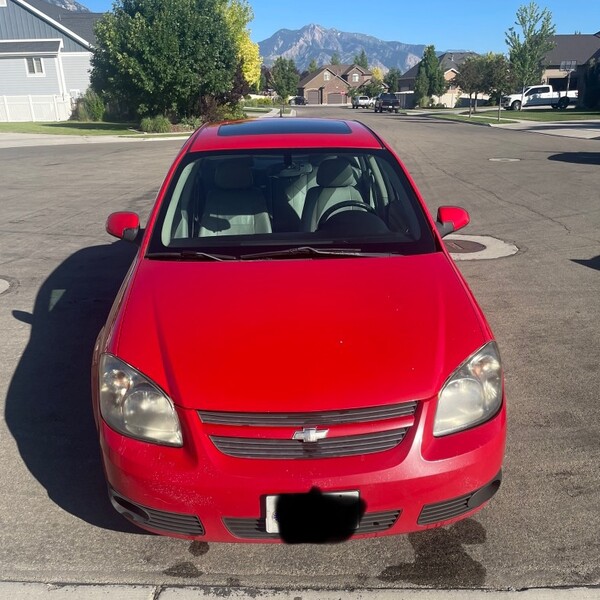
(331, 84)
(45, 54)
(567, 63)
(450, 63)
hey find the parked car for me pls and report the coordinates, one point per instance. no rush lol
(299, 100)
(293, 355)
(387, 102)
(361, 102)
(539, 95)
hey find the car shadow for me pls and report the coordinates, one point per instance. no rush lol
(48, 406)
(592, 263)
(580, 158)
(441, 560)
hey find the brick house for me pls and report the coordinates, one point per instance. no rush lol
(331, 84)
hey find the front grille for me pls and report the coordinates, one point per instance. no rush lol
(157, 519)
(296, 419)
(432, 513)
(255, 529)
(351, 445)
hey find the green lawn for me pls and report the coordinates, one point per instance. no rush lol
(474, 119)
(259, 109)
(69, 128)
(549, 115)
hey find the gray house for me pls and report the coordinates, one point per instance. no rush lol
(45, 54)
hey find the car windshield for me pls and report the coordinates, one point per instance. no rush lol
(242, 205)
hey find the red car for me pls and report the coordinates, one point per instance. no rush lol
(293, 355)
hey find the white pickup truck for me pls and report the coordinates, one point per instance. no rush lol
(539, 95)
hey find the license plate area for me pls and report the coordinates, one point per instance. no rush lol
(313, 510)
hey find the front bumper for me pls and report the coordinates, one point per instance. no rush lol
(199, 493)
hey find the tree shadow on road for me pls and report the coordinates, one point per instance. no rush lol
(441, 560)
(592, 263)
(48, 406)
(580, 158)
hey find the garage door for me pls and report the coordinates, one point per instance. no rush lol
(334, 98)
(313, 96)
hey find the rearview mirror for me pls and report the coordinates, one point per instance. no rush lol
(451, 218)
(123, 225)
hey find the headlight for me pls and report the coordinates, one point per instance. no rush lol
(472, 395)
(134, 406)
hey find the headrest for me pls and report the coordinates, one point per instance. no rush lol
(335, 172)
(233, 175)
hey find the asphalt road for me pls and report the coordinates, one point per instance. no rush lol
(543, 527)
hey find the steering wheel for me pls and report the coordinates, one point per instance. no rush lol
(344, 204)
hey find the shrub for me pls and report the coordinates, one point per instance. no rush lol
(93, 105)
(157, 124)
(214, 112)
(258, 102)
(190, 123)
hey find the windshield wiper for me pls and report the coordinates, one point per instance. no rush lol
(309, 251)
(190, 255)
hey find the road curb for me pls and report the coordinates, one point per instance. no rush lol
(46, 591)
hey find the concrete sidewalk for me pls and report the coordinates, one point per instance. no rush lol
(42, 591)
(589, 130)
(19, 140)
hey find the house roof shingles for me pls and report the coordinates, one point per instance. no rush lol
(30, 47)
(448, 60)
(579, 47)
(80, 23)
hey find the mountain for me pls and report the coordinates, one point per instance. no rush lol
(69, 5)
(314, 41)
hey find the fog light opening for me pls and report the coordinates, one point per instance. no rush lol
(484, 494)
(129, 510)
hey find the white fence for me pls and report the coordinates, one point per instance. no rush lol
(34, 108)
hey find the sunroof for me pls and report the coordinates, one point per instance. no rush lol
(284, 126)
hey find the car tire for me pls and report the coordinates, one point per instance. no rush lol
(516, 105)
(563, 103)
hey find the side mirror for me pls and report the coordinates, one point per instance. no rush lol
(451, 218)
(123, 225)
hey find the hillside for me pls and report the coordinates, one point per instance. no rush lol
(319, 43)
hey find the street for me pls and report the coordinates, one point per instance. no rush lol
(541, 529)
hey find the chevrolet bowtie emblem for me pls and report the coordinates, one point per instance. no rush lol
(310, 434)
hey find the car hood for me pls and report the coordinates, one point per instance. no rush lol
(289, 335)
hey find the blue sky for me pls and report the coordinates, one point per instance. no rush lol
(448, 24)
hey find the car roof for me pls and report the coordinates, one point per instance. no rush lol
(278, 133)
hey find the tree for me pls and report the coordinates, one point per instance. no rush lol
(591, 96)
(284, 77)
(497, 77)
(471, 78)
(374, 86)
(312, 66)
(392, 79)
(430, 77)
(335, 59)
(163, 56)
(237, 16)
(377, 74)
(361, 59)
(527, 53)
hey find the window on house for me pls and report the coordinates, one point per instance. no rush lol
(326, 76)
(2, 3)
(35, 66)
(354, 77)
